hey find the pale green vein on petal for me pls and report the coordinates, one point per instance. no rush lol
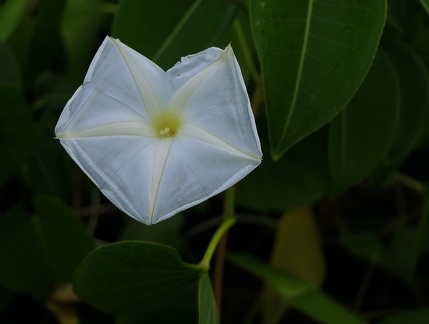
(200, 134)
(143, 85)
(300, 69)
(181, 97)
(116, 129)
(160, 159)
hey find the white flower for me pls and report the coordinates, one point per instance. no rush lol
(157, 142)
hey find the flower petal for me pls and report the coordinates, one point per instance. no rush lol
(195, 171)
(216, 99)
(109, 94)
(121, 166)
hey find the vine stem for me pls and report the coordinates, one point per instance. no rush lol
(219, 241)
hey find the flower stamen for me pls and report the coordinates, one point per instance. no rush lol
(166, 124)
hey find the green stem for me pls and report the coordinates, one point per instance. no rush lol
(246, 50)
(229, 220)
(227, 223)
(409, 182)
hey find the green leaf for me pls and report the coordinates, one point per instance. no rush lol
(415, 316)
(62, 235)
(425, 4)
(10, 15)
(414, 104)
(297, 250)
(206, 302)
(314, 55)
(367, 245)
(182, 27)
(9, 68)
(38, 251)
(80, 29)
(16, 131)
(49, 169)
(37, 42)
(138, 277)
(303, 296)
(22, 255)
(300, 178)
(360, 135)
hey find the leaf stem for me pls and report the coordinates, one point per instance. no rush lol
(223, 228)
(229, 220)
(409, 182)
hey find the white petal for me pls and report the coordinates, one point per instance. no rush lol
(216, 99)
(195, 171)
(109, 94)
(121, 166)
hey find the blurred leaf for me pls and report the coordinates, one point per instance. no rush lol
(416, 316)
(139, 277)
(206, 302)
(10, 14)
(67, 241)
(314, 55)
(24, 264)
(16, 131)
(9, 69)
(297, 251)
(402, 255)
(414, 103)
(361, 133)
(300, 178)
(166, 30)
(80, 28)
(425, 4)
(52, 91)
(303, 296)
(49, 169)
(367, 246)
(37, 43)
(38, 251)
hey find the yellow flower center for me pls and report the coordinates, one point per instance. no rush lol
(166, 124)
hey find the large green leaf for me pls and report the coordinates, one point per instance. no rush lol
(40, 250)
(132, 277)
(16, 131)
(166, 30)
(305, 297)
(300, 178)
(206, 302)
(10, 14)
(360, 135)
(414, 104)
(314, 55)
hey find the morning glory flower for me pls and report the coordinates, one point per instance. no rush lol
(158, 142)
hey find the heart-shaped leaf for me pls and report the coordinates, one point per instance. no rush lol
(135, 277)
